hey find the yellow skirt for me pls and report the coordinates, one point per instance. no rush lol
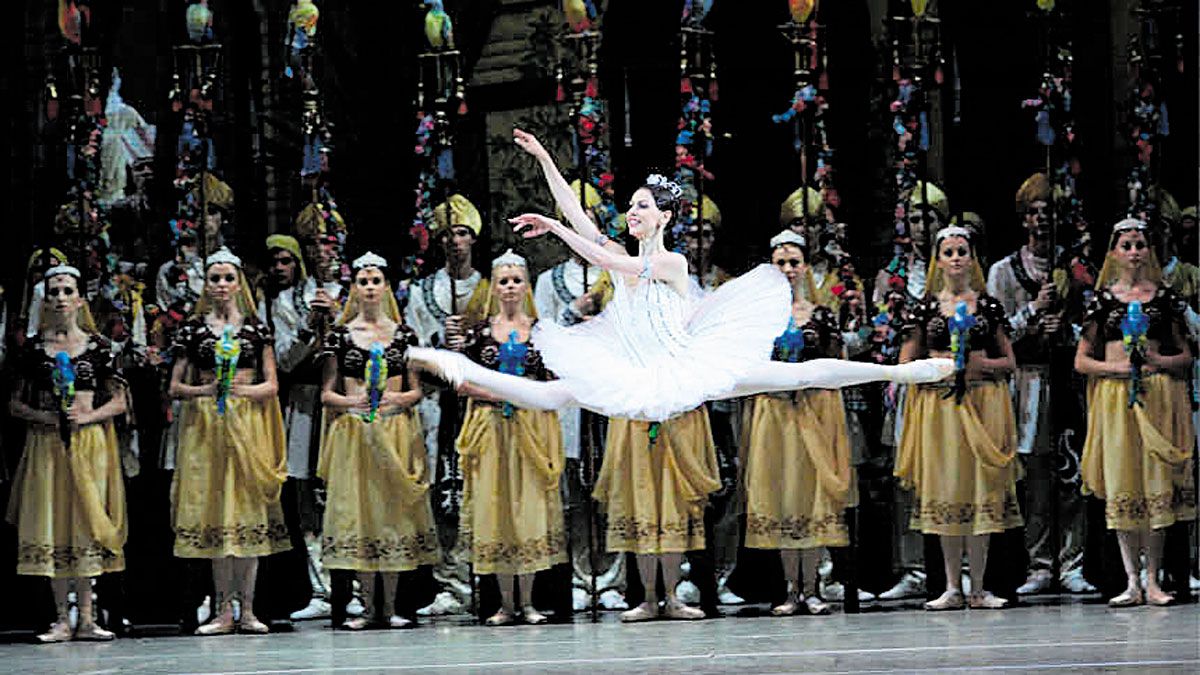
(1139, 460)
(655, 494)
(69, 505)
(512, 514)
(377, 514)
(797, 471)
(959, 458)
(228, 474)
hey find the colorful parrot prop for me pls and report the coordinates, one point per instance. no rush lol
(801, 9)
(512, 362)
(439, 30)
(72, 20)
(694, 11)
(580, 14)
(1133, 335)
(302, 28)
(64, 391)
(790, 344)
(199, 22)
(226, 353)
(375, 373)
(960, 326)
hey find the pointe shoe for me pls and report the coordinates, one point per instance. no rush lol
(1130, 598)
(251, 624)
(59, 632)
(815, 606)
(643, 612)
(220, 626)
(986, 600)
(949, 600)
(788, 608)
(675, 609)
(501, 618)
(532, 616)
(397, 621)
(445, 364)
(1159, 598)
(94, 633)
(923, 371)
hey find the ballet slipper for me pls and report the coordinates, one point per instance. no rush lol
(532, 616)
(1158, 597)
(676, 609)
(643, 612)
(357, 623)
(397, 621)
(222, 624)
(1130, 598)
(251, 624)
(501, 618)
(59, 632)
(788, 608)
(950, 600)
(93, 633)
(815, 606)
(986, 600)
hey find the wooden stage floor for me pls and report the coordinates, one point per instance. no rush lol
(1047, 638)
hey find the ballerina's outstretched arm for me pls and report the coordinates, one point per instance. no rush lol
(522, 392)
(564, 196)
(667, 265)
(836, 373)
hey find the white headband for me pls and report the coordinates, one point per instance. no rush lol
(58, 270)
(509, 259)
(369, 259)
(953, 231)
(1129, 225)
(788, 237)
(659, 180)
(222, 256)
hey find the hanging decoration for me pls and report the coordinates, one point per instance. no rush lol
(698, 91)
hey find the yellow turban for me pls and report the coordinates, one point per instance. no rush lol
(289, 244)
(54, 253)
(793, 208)
(1036, 188)
(462, 212)
(1168, 208)
(710, 212)
(217, 193)
(591, 198)
(937, 199)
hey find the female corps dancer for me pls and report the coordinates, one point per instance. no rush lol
(512, 512)
(377, 513)
(958, 447)
(1137, 456)
(655, 352)
(231, 462)
(797, 465)
(68, 499)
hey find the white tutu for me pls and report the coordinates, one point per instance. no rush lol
(652, 354)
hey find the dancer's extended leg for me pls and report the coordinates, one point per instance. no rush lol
(521, 392)
(835, 374)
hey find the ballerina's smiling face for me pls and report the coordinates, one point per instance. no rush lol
(790, 260)
(645, 217)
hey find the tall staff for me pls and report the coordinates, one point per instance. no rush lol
(586, 118)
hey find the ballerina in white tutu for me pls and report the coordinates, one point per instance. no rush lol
(660, 347)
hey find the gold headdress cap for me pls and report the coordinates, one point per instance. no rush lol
(462, 212)
(929, 194)
(1036, 188)
(591, 197)
(710, 212)
(793, 207)
(217, 192)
